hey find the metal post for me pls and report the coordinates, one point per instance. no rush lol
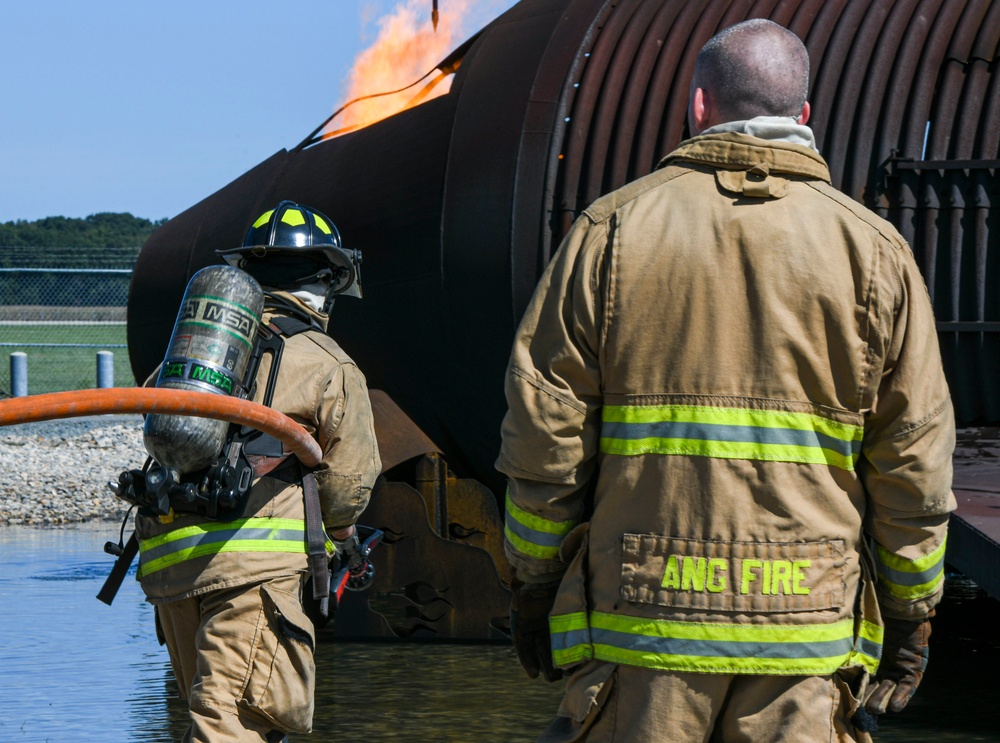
(105, 369)
(19, 374)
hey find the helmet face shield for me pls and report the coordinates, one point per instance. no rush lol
(347, 276)
(293, 245)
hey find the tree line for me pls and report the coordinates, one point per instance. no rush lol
(105, 240)
(100, 241)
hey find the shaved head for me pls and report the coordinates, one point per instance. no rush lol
(755, 68)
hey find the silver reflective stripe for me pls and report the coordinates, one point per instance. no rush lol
(569, 639)
(221, 535)
(533, 535)
(868, 647)
(721, 432)
(541, 538)
(710, 647)
(722, 648)
(904, 578)
(729, 433)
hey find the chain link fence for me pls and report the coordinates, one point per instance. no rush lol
(60, 307)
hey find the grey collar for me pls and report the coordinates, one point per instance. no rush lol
(775, 128)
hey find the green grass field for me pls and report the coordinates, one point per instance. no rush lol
(53, 368)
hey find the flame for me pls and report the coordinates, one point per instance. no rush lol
(398, 71)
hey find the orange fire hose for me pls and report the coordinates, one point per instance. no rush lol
(58, 405)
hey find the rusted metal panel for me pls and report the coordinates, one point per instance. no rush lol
(974, 539)
(426, 587)
(399, 438)
(974, 533)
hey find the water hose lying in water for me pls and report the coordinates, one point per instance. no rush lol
(110, 400)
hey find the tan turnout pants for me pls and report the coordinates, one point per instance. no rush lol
(608, 703)
(243, 658)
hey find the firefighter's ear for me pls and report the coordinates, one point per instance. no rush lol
(702, 111)
(804, 116)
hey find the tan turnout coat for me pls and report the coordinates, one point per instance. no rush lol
(726, 388)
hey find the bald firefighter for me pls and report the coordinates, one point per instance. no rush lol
(229, 594)
(729, 439)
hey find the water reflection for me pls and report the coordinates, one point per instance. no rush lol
(72, 669)
(428, 692)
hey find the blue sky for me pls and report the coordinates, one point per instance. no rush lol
(148, 107)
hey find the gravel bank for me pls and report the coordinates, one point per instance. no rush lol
(56, 472)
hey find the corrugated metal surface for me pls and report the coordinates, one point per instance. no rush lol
(459, 203)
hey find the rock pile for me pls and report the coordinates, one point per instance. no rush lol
(57, 472)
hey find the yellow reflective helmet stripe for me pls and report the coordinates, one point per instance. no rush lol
(211, 538)
(730, 433)
(293, 217)
(321, 223)
(713, 647)
(533, 535)
(262, 219)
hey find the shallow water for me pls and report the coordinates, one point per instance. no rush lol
(73, 669)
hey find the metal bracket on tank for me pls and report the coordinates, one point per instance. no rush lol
(219, 492)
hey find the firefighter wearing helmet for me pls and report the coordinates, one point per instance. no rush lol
(232, 597)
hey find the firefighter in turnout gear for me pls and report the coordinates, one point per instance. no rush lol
(729, 439)
(229, 593)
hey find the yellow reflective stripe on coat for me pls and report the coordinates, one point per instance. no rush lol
(212, 538)
(910, 579)
(811, 649)
(730, 433)
(533, 535)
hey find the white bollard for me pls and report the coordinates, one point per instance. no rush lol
(105, 369)
(19, 374)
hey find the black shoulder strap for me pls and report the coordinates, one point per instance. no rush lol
(271, 339)
(295, 312)
(290, 326)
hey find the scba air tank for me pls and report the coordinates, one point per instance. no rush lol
(209, 351)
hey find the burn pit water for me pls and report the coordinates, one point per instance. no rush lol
(73, 669)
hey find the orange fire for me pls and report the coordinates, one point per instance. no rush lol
(398, 71)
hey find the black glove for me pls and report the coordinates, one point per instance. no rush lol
(529, 627)
(904, 660)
